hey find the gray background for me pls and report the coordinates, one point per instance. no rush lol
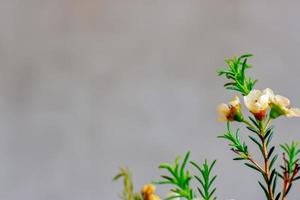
(87, 86)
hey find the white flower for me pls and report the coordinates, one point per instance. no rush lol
(280, 105)
(230, 112)
(257, 102)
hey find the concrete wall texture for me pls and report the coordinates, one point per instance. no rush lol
(87, 86)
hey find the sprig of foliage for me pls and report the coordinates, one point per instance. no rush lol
(291, 167)
(236, 145)
(262, 140)
(206, 180)
(178, 177)
(127, 193)
(236, 73)
(292, 152)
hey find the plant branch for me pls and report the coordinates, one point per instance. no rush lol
(290, 167)
(256, 164)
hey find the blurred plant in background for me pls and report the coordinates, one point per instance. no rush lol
(128, 193)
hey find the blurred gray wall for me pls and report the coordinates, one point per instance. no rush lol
(87, 86)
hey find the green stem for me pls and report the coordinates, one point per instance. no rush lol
(255, 163)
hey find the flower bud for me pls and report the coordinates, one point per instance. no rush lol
(148, 192)
(230, 112)
(280, 106)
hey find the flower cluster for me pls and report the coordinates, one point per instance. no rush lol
(265, 106)
(258, 102)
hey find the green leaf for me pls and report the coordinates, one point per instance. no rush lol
(278, 196)
(256, 142)
(184, 163)
(264, 189)
(275, 182)
(252, 167)
(270, 152)
(269, 138)
(246, 56)
(239, 158)
(268, 132)
(273, 161)
(296, 178)
(254, 122)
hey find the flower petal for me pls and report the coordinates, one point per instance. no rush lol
(269, 92)
(223, 111)
(263, 101)
(235, 101)
(293, 112)
(281, 100)
(252, 98)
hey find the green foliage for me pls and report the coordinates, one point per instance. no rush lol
(262, 138)
(292, 152)
(236, 73)
(206, 180)
(127, 193)
(236, 145)
(290, 167)
(179, 177)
